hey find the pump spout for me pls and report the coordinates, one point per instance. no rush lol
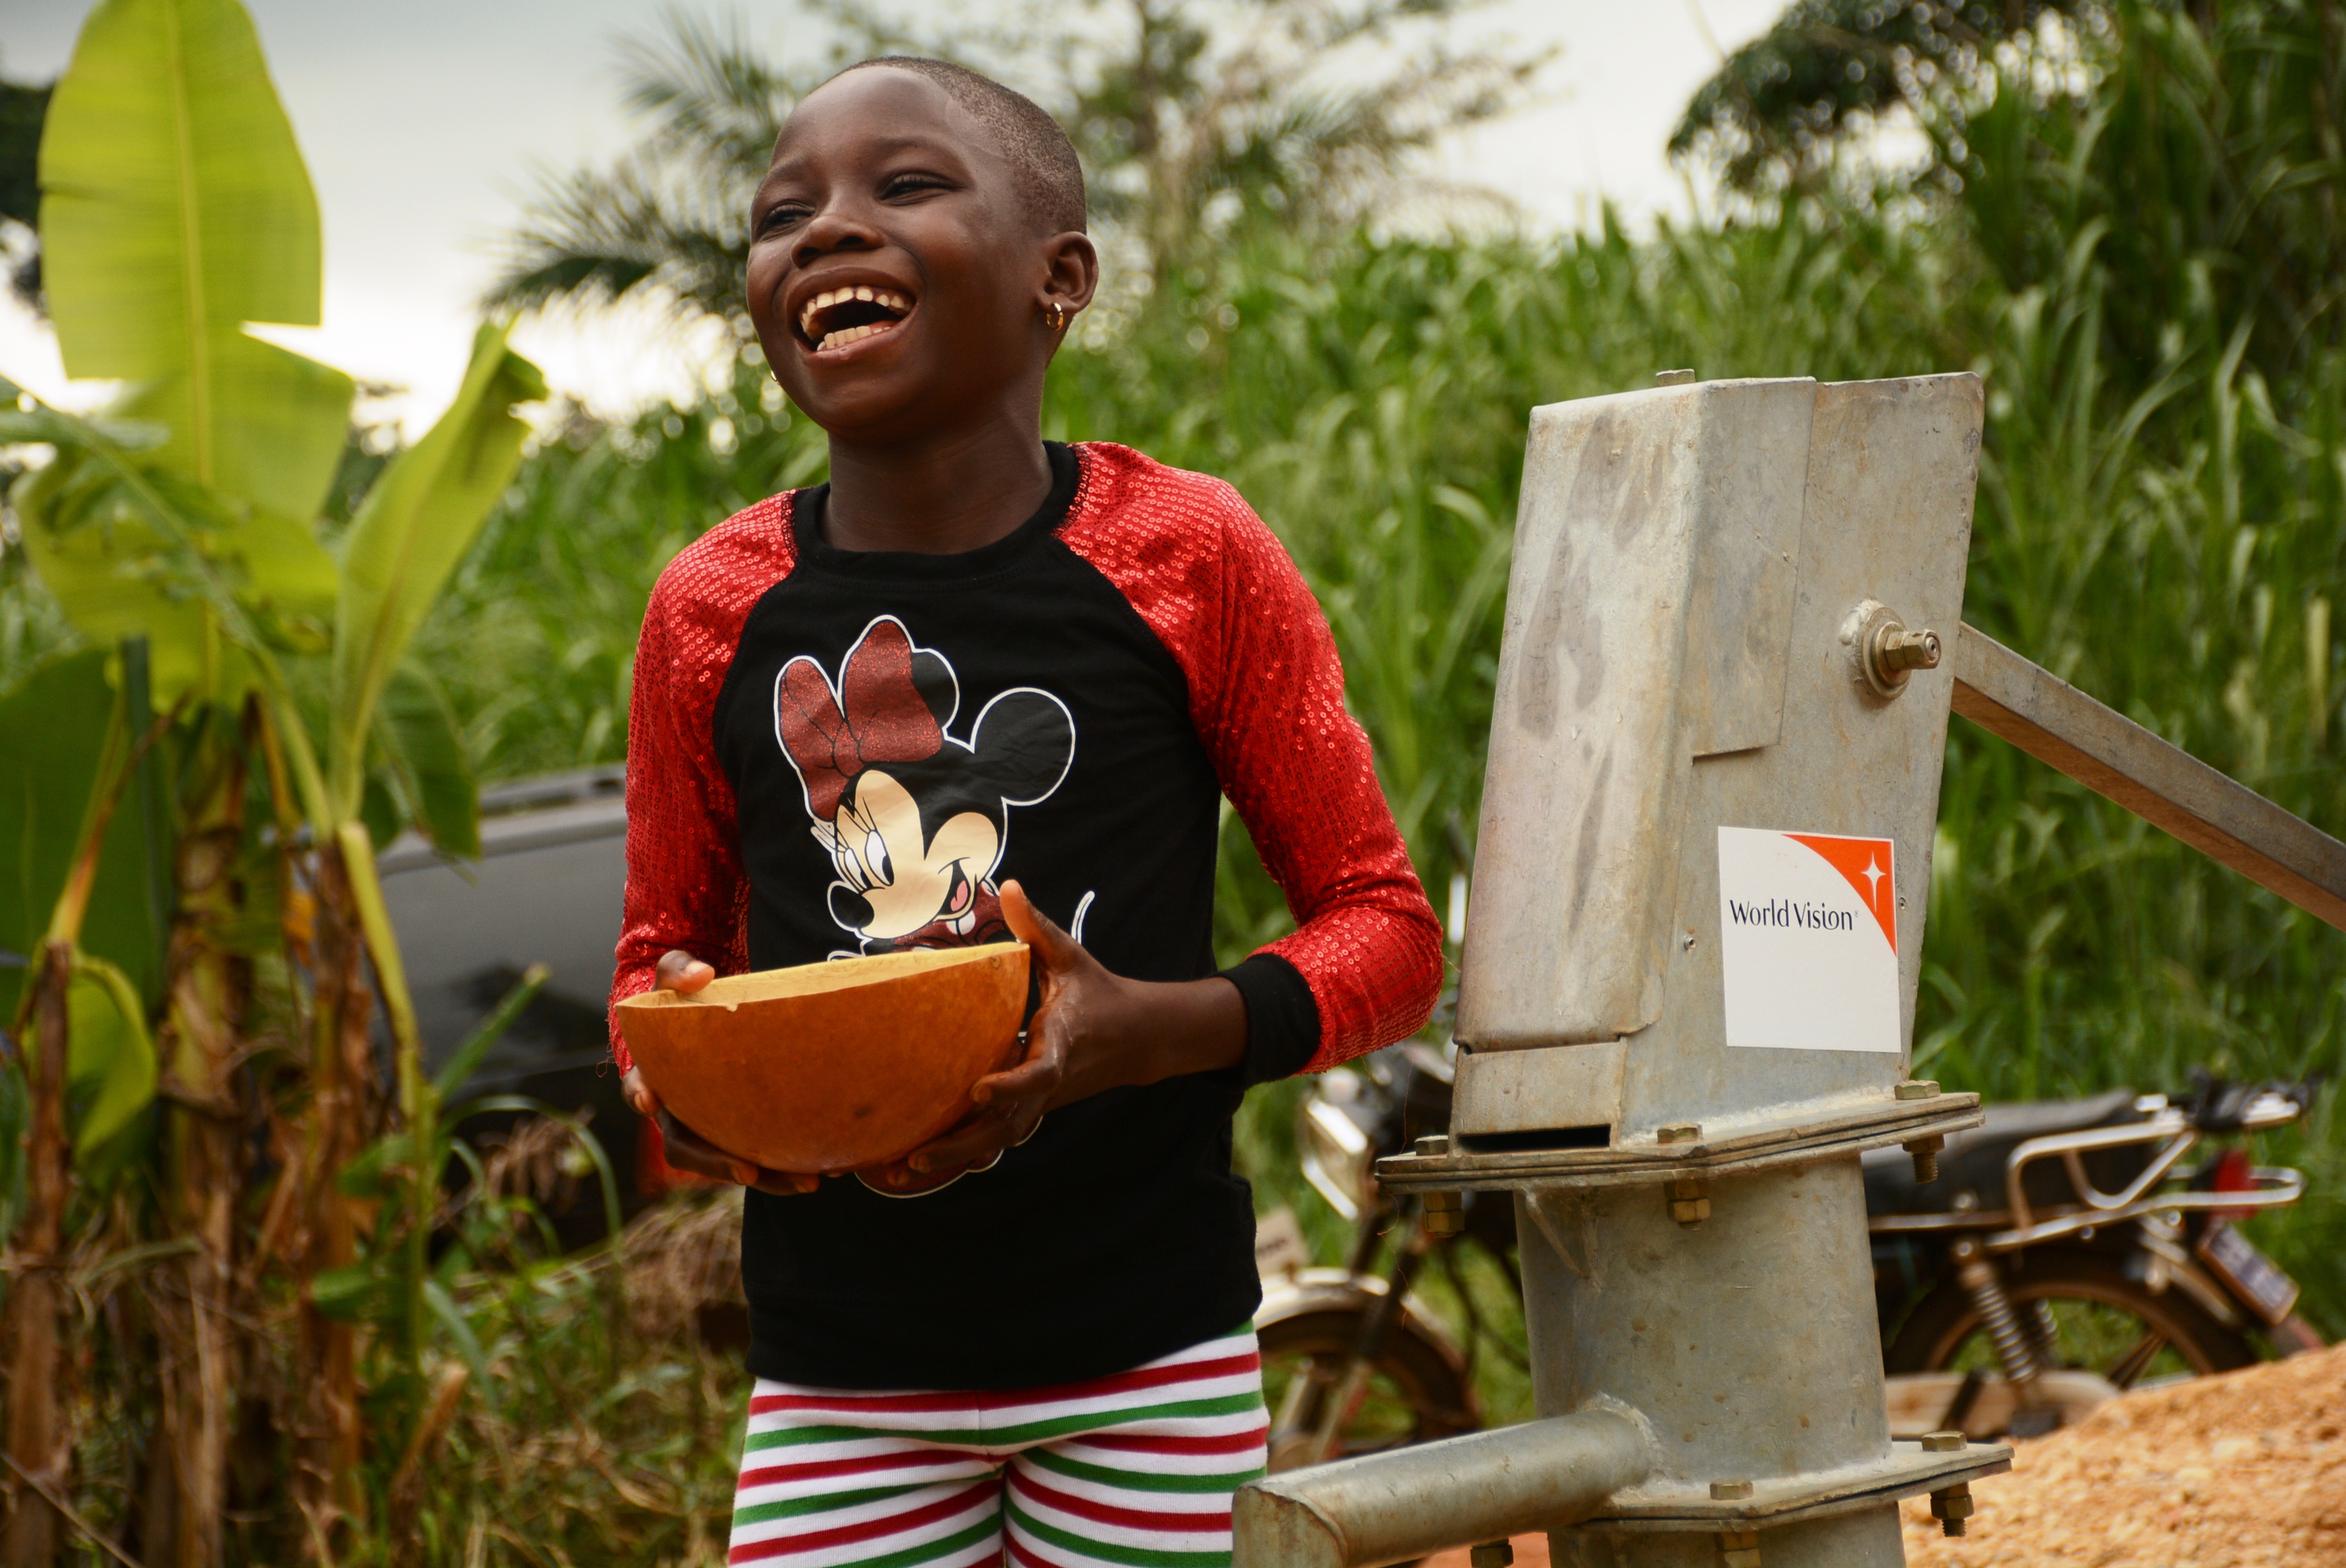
(1414, 1502)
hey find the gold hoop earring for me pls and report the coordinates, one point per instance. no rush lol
(1054, 316)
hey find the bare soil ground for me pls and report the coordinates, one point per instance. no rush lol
(2245, 1471)
(2238, 1472)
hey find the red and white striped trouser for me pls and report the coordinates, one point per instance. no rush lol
(1135, 1470)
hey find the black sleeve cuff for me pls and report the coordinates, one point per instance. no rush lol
(1282, 1019)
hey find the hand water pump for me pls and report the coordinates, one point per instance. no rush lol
(1733, 640)
(1689, 984)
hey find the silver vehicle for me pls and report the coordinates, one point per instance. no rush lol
(547, 890)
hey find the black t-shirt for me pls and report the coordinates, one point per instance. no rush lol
(833, 752)
(903, 732)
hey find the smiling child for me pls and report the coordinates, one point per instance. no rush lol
(981, 687)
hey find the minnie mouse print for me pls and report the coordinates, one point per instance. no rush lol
(914, 820)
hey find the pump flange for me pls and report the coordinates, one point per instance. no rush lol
(1799, 1134)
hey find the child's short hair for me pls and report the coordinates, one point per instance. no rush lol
(1050, 177)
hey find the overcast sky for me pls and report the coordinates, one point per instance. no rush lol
(422, 121)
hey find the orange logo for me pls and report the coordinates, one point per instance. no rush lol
(1868, 867)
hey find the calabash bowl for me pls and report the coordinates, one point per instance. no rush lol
(832, 1067)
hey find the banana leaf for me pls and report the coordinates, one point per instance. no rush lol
(175, 209)
(425, 753)
(53, 725)
(113, 574)
(110, 1070)
(414, 526)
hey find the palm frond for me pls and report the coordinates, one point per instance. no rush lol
(1183, 109)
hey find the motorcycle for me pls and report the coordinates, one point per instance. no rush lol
(2067, 1252)
(2064, 1252)
(1352, 1362)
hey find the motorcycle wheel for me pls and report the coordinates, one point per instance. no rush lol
(1412, 1393)
(2105, 1320)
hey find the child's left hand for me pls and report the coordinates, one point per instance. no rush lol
(1094, 1031)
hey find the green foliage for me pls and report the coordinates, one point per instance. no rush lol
(417, 523)
(1196, 123)
(175, 209)
(1193, 122)
(2200, 177)
(116, 570)
(1831, 70)
(185, 523)
(2192, 152)
(534, 638)
(415, 735)
(53, 738)
(111, 1075)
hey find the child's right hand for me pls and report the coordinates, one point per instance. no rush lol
(684, 1148)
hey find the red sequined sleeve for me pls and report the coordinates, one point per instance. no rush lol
(686, 888)
(1267, 696)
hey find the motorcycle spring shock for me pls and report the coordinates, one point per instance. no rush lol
(1977, 1273)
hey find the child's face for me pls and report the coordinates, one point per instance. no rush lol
(896, 280)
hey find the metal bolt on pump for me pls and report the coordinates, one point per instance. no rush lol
(1952, 1507)
(1689, 1198)
(1927, 1152)
(1690, 963)
(1887, 653)
(1689, 1201)
(1445, 1212)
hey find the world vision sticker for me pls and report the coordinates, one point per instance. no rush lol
(1807, 929)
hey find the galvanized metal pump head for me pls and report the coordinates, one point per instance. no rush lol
(1688, 981)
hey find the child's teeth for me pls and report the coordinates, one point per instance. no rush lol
(887, 299)
(846, 335)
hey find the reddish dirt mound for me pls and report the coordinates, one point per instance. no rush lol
(2244, 1470)
(2248, 1469)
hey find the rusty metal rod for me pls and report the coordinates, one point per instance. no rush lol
(2166, 786)
(1409, 1502)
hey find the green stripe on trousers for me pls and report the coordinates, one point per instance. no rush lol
(930, 1550)
(1139, 1480)
(792, 1508)
(1012, 1436)
(1110, 1552)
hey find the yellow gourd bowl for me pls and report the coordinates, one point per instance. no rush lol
(833, 1068)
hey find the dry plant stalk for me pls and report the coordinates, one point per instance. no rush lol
(447, 1389)
(529, 1161)
(201, 1354)
(342, 1075)
(40, 1441)
(680, 1255)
